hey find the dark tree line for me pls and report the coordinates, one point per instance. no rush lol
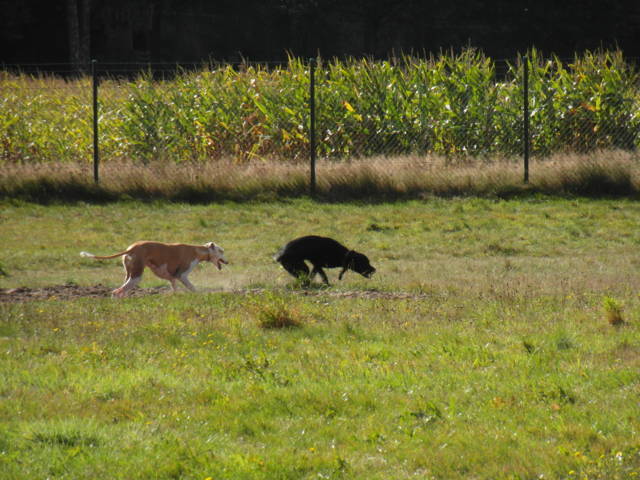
(266, 30)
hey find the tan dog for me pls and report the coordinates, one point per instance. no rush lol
(170, 261)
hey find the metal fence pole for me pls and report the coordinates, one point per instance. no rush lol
(312, 125)
(96, 155)
(525, 133)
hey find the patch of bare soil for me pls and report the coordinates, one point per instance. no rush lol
(71, 291)
(367, 294)
(66, 292)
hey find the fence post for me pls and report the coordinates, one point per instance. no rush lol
(96, 155)
(525, 133)
(312, 125)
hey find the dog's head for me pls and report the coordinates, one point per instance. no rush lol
(216, 254)
(359, 263)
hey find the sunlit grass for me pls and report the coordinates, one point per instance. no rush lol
(464, 245)
(480, 349)
(192, 384)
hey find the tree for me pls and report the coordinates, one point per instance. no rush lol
(79, 28)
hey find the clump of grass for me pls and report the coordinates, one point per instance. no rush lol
(274, 312)
(65, 439)
(66, 433)
(613, 311)
(604, 173)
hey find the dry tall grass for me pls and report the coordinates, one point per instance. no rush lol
(602, 173)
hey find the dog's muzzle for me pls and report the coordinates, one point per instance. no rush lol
(219, 263)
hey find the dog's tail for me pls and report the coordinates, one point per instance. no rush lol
(107, 257)
(278, 255)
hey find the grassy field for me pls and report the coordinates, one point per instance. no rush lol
(499, 339)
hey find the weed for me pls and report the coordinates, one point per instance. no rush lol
(274, 312)
(71, 439)
(613, 311)
(563, 341)
(529, 347)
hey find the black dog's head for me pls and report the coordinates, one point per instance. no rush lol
(359, 263)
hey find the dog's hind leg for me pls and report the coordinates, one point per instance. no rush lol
(319, 271)
(297, 268)
(134, 269)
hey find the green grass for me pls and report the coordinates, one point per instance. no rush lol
(467, 245)
(480, 349)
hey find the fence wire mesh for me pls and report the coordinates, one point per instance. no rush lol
(410, 115)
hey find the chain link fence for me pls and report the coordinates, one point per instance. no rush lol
(404, 116)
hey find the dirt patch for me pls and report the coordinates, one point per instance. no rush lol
(366, 294)
(66, 292)
(72, 291)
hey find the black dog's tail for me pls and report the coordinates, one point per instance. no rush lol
(278, 256)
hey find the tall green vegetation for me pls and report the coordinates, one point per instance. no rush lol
(452, 105)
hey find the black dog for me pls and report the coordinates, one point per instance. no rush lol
(321, 252)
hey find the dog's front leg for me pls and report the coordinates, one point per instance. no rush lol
(344, 269)
(185, 281)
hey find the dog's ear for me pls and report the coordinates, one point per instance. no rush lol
(210, 245)
(348, 259)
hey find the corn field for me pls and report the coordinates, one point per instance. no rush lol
(452, 105)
